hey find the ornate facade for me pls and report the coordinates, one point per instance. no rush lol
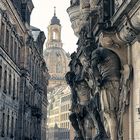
(23, 74)
(57, 61)
(106, 67)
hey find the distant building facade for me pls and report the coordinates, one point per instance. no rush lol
(23, 72)
(57, 133)
(57, 61)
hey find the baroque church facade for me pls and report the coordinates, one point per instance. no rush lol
(57, 61)
(107, 58)
(23, 74)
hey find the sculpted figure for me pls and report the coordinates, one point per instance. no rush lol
(78, 111)
(81, 94)
(72, 62)
(107, 66)
(87, 74)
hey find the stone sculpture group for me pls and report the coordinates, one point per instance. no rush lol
(100, 86)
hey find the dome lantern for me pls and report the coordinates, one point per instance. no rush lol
(55, 20)
(54, 32)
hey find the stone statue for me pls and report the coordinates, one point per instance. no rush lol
(72, 62)
(85, 99)
(70, 78)
(88, 75)
(81, 92)
(107, 67)
(77, 116)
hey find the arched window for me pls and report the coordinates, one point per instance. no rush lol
(54, 35)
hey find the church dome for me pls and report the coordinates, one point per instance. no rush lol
(55, 20)
(57, 62)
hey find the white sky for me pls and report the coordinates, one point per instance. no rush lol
(43, 12)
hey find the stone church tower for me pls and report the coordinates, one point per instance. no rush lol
(56, 58)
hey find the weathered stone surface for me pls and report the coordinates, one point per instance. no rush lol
(116, 30)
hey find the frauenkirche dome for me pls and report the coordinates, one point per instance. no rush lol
(55, 56)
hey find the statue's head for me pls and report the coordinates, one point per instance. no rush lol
(73, 55)
(78, 66)
(82, 84)
(70, 77)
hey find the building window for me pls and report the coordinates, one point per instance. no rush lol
(5, 80)
(7, 40)
(17, 89)
(7, 124)
(14, 89)
(54, 35)
(10, 80)
(18, 55)
(2, 34)
(11, 46)
(15, 52)
(3, 125)
(0, 75)
(12, 127)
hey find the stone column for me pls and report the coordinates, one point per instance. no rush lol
(135, 97)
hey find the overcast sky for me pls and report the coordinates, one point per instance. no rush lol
(43, 12)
